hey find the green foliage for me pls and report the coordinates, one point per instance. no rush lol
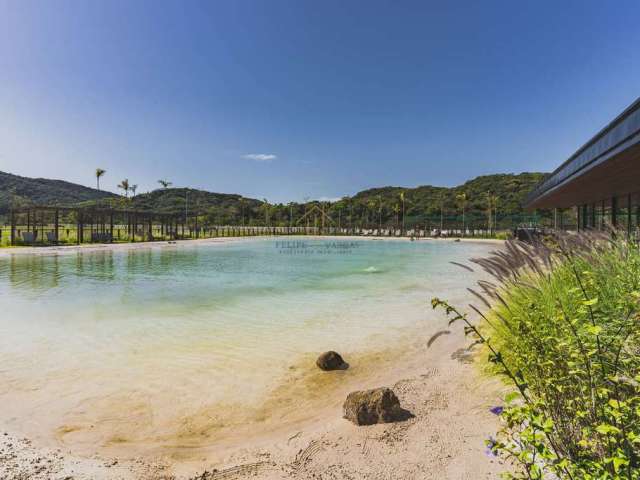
(564, 329)
(503, 192)
(485, 199)
(22, 191)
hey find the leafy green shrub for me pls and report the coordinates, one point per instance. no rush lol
(563, 326)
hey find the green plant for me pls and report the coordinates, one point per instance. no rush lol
(99, 173)
(125, 187)
(563, 326)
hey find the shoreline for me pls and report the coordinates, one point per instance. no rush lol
(439, 384)
(6, 252)
(297, 432)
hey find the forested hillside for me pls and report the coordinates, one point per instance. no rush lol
(500, 194)
(503, 194)
(17, 191)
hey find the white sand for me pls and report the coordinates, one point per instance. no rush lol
(444, 441)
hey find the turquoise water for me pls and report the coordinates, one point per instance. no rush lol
(164, 329)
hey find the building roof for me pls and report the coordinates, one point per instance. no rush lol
(619, 136)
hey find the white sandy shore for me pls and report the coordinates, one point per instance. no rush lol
(439, 384)
(94, 247)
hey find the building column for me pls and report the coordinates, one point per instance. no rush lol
(579, 208)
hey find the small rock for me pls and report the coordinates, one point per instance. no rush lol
(379, 405)
(331, 361)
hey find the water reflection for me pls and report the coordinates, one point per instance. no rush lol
(37, 274)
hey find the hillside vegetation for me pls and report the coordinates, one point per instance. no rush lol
(18, 191)
(497, 196)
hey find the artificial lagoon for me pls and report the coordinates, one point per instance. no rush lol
(173, 348)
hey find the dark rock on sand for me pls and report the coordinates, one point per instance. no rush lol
(331, 361)
(379, 405)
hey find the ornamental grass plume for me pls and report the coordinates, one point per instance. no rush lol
(561, 323)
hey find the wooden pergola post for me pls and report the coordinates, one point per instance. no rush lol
(57, 226)
(13, 227)
(79, 229)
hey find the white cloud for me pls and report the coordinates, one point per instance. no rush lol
(260, 157)
(329, 199)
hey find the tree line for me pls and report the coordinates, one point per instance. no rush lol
(480, 203)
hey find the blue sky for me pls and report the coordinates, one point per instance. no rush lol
(300, 98)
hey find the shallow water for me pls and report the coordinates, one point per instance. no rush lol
(112, 347)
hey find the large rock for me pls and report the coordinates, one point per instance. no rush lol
(331, 361)
(379, 405)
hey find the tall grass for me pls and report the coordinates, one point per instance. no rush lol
(561, 322)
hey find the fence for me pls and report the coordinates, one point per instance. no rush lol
(42, 225)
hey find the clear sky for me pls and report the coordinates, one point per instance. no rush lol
(304, 98)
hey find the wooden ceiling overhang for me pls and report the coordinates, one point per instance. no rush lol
(607, 166)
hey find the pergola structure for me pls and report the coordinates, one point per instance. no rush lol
(601, 181)
(44, 224)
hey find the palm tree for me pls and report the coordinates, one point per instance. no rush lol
(396, 210)
(339, 206)
(133, 189)
(265, 205)
(462, 199)
(492, 205)
(371, 204)
(242, 204)
(379, 213)
(165, 183)
(291, 204)
(402, 200)
(124, 185)
(348, 205)
(99, 172)
(441, 213)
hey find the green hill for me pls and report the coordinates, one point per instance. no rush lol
(19, 191)
(424, 203)
(369, 208)
(220, 207)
